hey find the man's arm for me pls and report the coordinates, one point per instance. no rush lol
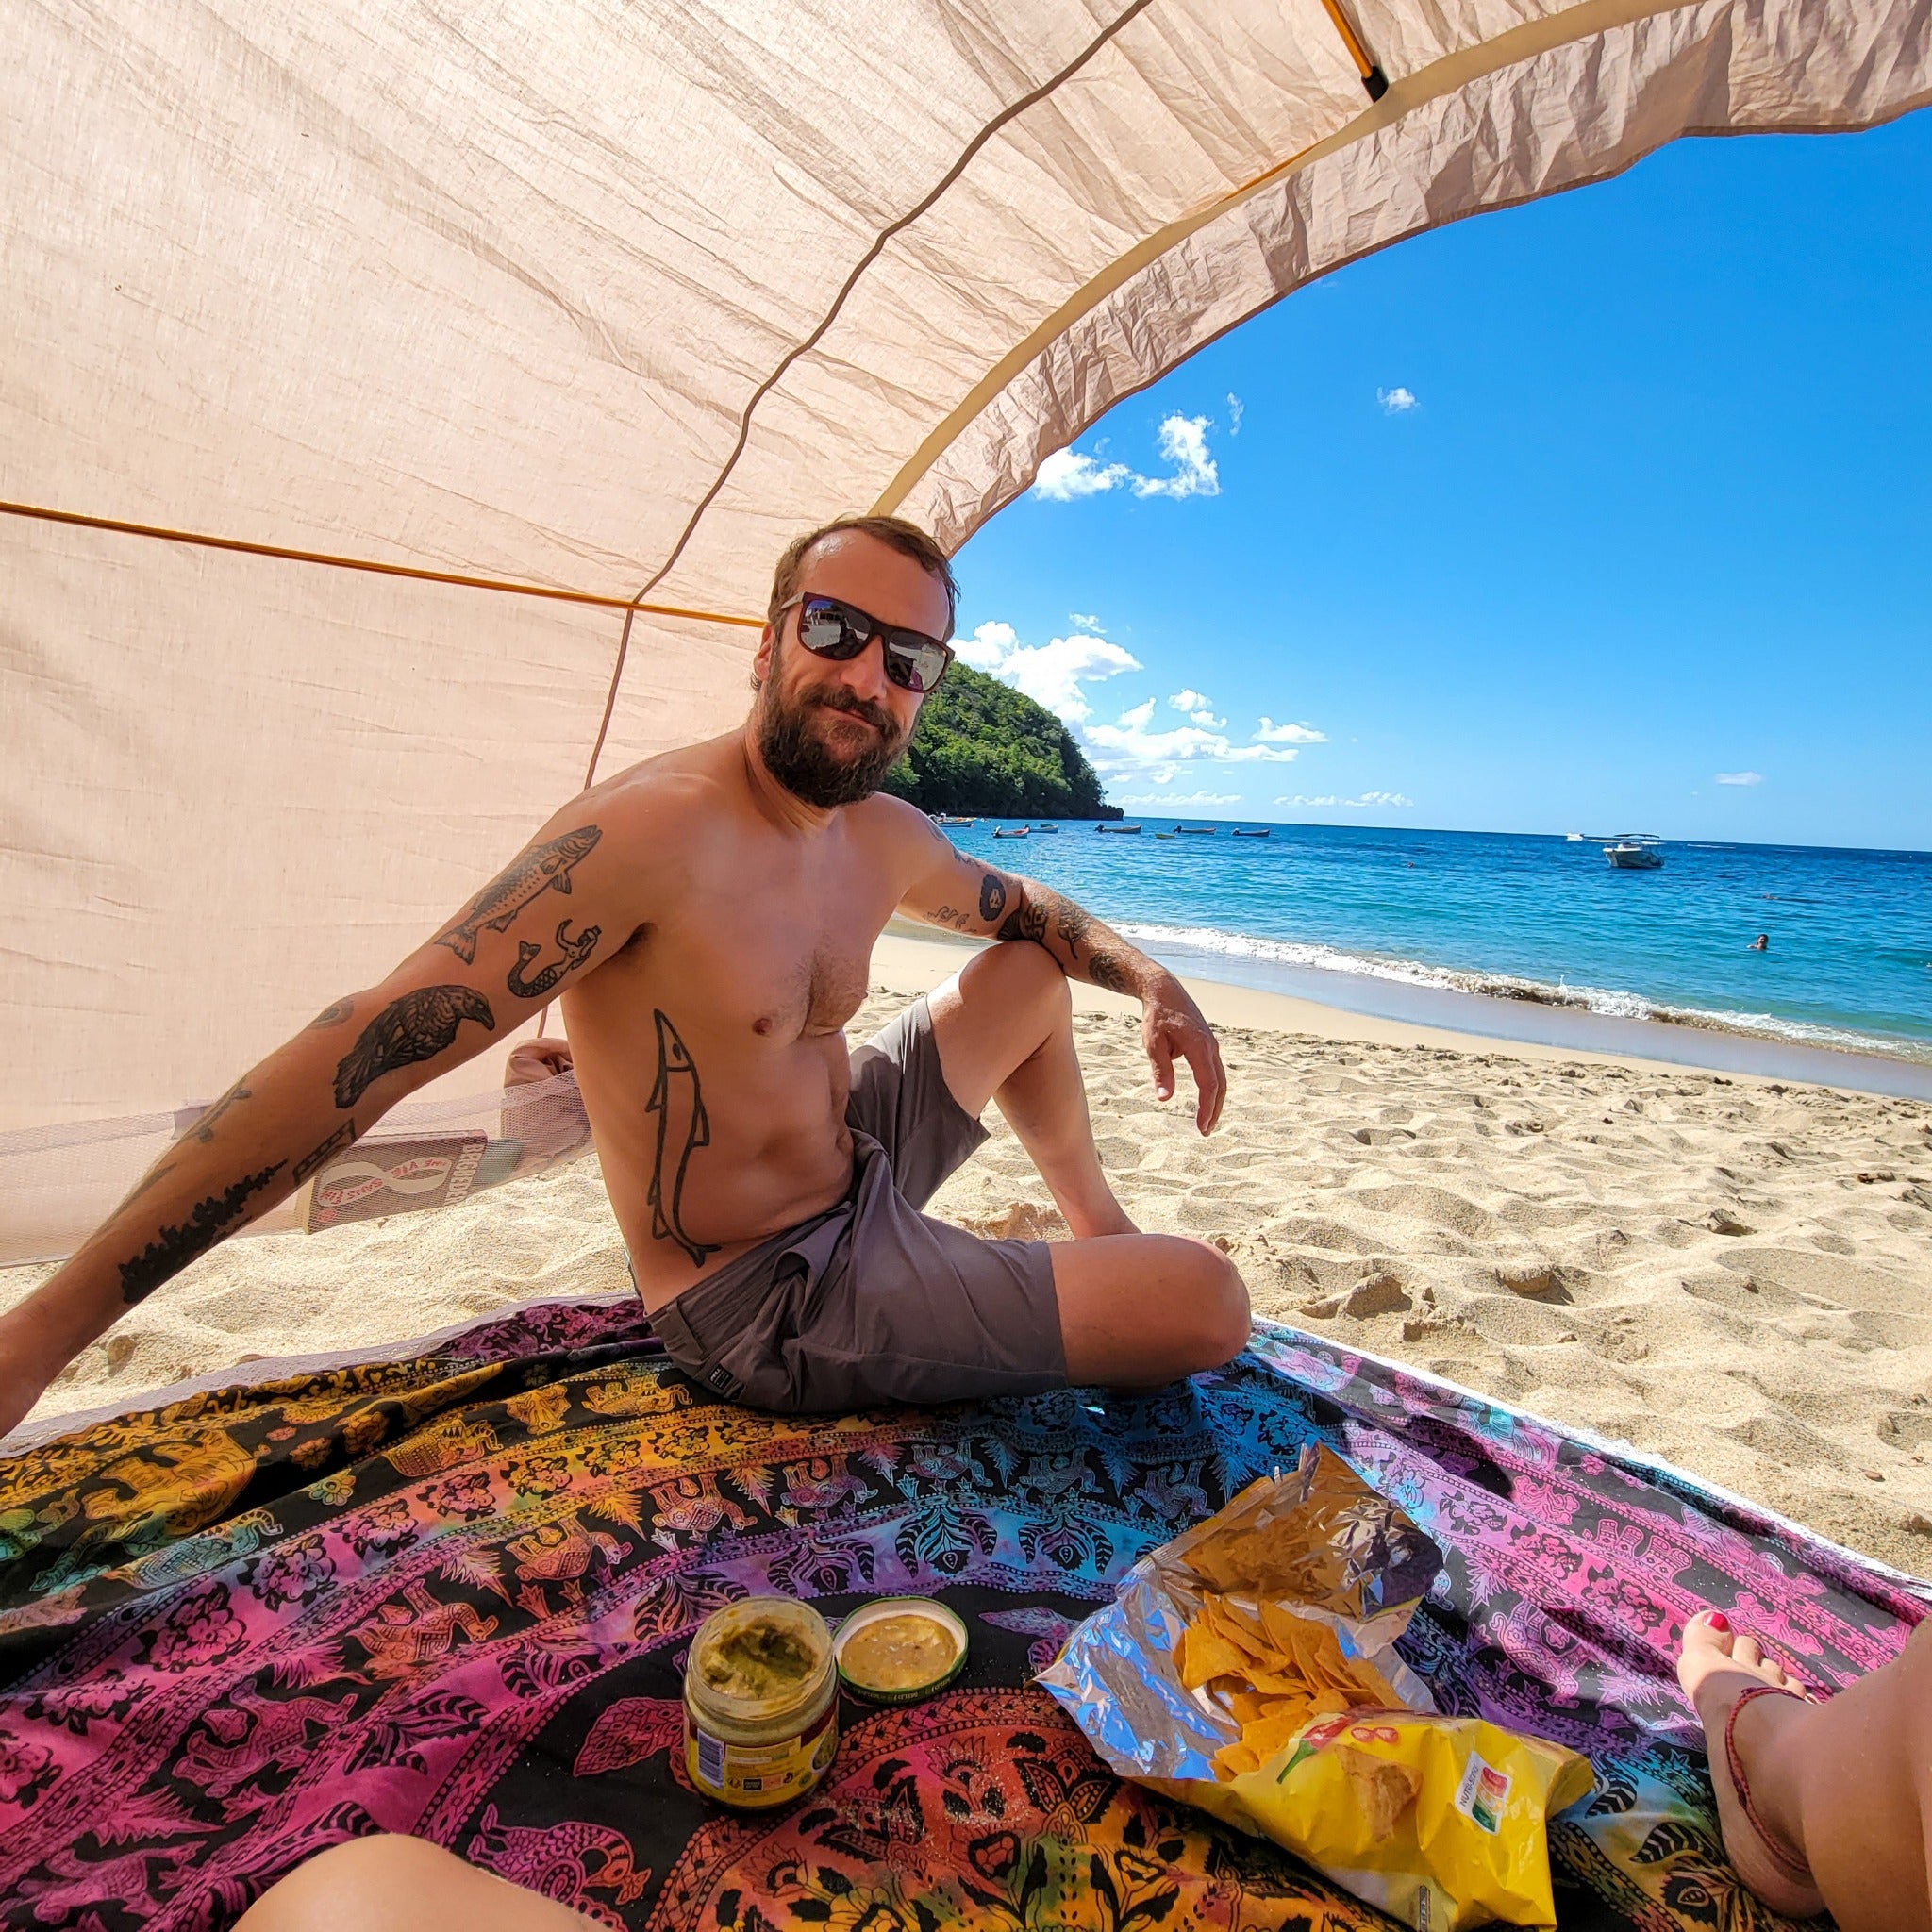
(953, 891)
(566, 901)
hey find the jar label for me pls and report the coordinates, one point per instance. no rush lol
(755, 1775)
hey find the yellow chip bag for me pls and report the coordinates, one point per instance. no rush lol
(1440, 1820)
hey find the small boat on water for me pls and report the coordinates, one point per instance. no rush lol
(947, 818)
(1018, 832)
(1124, 831)
(1634, 852)
(1047, 828)
(1165, 835)
(1249, 832)
(1195, 832)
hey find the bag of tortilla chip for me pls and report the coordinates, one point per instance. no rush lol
(1440, 1820)
(1249, 1667)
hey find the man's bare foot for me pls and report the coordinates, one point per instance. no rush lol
(1716, 1668)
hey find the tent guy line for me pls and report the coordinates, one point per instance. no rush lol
(875, 249)
(509, 586)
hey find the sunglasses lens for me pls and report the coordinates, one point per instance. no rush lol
(917, 667)
(822, 629)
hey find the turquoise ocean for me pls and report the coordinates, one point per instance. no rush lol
(1535, 938)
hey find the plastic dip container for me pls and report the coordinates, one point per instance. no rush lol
(898, 1649)
(760, 1702)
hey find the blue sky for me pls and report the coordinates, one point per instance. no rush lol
(1555, 520)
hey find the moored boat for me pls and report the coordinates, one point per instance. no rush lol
(1634, 852)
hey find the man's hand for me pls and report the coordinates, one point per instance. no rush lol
(1172, 1026)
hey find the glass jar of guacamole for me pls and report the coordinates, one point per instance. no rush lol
(760, 1702)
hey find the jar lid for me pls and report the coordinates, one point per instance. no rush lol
(758, 1658)
(915, 1668)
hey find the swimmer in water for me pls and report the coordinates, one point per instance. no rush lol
(1761, 944)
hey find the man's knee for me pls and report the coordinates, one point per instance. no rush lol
(1019, 972)
(1217, 1300)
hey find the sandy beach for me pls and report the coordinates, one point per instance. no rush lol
(1732, 1274)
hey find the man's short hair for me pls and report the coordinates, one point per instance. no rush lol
(908, 540)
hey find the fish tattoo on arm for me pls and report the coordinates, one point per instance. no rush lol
(541, 869)
(417, 1027)
(683, 1127)
(575, 951)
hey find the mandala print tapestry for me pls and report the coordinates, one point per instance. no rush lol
(451, 1595)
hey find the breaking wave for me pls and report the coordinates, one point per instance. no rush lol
(1502, 985)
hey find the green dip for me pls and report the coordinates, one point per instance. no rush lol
(759, 1660)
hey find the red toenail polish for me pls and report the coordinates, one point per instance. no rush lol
(1718, 1620)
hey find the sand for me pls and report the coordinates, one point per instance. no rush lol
(1733, 1275)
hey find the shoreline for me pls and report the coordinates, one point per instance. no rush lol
(1338, 1005)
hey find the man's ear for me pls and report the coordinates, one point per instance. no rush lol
(761, 659)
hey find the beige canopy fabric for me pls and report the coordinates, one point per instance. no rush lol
(613, 299)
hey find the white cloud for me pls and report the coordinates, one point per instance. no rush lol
(1740, 779)
(1130, 746)
(1067, 474)
(1268, 732)
(1082, 620)
(1051, 674)
(1184, 443)
(1167, 798)
(1395, 401)
(987, 648)
(1236, 410)
(1393, 800)
(1201, 710)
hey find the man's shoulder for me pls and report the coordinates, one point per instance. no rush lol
(692, 784)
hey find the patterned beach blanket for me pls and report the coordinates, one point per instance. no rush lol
(449, 1594)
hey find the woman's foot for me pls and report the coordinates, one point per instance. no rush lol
(1716, 1668)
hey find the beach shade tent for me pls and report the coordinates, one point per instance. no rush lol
(402, 405)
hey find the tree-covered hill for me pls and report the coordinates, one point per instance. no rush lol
(982, 748)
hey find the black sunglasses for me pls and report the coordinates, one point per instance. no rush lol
(828, 628)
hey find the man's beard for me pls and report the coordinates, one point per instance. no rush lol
(795, 756)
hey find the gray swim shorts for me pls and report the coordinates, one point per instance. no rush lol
(873, 1302)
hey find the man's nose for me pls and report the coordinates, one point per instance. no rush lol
(864, 676)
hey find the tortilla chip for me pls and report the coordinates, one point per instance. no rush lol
(1266, 1736)
(1383, 1789)
(1233, 1760)
(1204, 1655)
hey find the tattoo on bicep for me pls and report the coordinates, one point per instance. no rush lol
(683, 1127)
(531, 873)
(951, 915)
(172, 1248)
(345, 1136)
(204, 1128)
(992, 897)
(417, 1027)
(331, 1015)
(1025, 921)
(1108, 973)
(575, 951)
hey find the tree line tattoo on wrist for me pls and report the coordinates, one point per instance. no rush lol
(683, 1126)
(174, 1247)
(533, 872)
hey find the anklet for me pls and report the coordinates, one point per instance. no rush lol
(1788, 1862)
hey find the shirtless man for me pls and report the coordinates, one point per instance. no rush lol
(709, 916)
